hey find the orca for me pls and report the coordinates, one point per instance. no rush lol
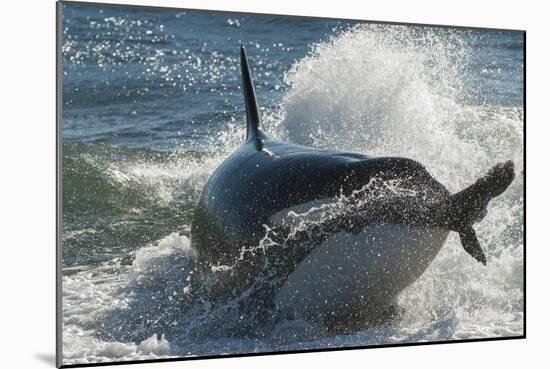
(322, 234)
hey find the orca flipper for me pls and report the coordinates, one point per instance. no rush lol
(470, 243)
(470, 205)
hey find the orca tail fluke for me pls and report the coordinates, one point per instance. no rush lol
(470, 205)
(253, 133)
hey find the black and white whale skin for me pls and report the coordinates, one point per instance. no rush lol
(344, 264)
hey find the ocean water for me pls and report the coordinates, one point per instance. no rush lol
(152, 104)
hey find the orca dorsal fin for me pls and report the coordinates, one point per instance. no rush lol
(253, 133)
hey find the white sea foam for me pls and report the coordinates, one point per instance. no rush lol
(153, 345)
(89, 296)
(165, 182)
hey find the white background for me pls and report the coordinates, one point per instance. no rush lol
(27, 182)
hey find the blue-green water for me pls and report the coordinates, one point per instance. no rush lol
(152, 104)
